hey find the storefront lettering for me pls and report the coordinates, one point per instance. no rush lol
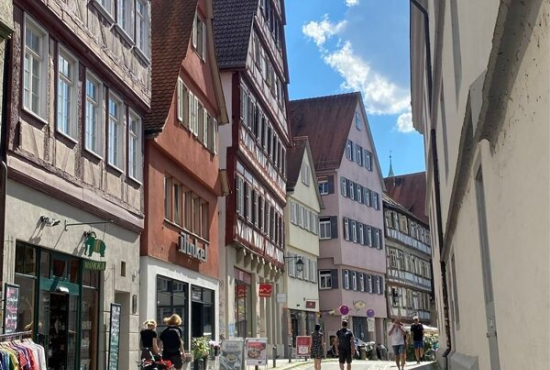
(191, 248)
(95, 265)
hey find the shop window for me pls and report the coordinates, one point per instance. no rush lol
(243, 309)
(172, 298)
(25, 260)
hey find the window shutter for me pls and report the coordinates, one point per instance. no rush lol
(344, 279)
(381, 285)
(333, 227)
(180, 100)
(345, 228)
(350, 230)
(330, 180)
(343, 186)
(195, 38)
(334, 278)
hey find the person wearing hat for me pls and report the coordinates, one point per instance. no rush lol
(148, 338)
(417, 330)
(346, 345)
(172, 343)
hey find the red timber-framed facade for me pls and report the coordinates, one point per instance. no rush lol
(179, 248)
(79, 91)
(253, 67)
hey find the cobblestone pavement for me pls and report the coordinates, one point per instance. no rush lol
(332, 364)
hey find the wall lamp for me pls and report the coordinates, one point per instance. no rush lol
(299, 262)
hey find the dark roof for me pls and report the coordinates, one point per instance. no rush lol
(389, 202)
(326, 121)
(171, 27)
(294, 158)
(233, 21)
(409, 191)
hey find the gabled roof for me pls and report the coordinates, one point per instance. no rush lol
(171, 27)
(295, 157)
(409, 191)
(233, 20)
(326, 121)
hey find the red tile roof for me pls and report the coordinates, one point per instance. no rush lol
(409, 191)
(171, 27)
(326, 121)
(233, 21)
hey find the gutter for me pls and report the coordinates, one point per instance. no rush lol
(437, 186)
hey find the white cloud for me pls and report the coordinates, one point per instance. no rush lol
(404, 123)
(351, 3)
(321, 31)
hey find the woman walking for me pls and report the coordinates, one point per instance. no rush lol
(148, 337)
(317, 347)
(172, 343)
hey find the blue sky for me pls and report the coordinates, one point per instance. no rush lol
(336, 46)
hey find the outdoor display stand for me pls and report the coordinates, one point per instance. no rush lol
(302, 347)
(231, 356)
(11, 301)
(256, 352)
(114, 337)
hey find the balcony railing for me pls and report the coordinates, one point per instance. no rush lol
(408, 240)
(408, 278)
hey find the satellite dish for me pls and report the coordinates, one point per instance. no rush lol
(359, 304)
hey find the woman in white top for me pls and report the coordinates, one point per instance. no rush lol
(397, 333)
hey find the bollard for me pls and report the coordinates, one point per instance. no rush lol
(289, 353)
(274, 356)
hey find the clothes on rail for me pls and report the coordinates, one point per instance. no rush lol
(22, 355)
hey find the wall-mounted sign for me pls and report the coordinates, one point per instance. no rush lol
(311, 304)
(265, 290)
(191, 247)
(344, 310)
(281, 298)
(114, 336)
(95, 265)
(93, 244)
(241, 291)
(370, 324)
(11, 301)
(370, 312)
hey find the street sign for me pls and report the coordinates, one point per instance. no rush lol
(370, 312)
(370, 324)
(281, 298)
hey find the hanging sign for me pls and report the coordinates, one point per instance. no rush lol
(302, 346)
(93, 244)
(265, 290)
(114, 336)
(11, 301)
(256, 351)
(344, 310)
(231, 357)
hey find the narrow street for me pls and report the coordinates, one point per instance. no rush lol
(356, 365)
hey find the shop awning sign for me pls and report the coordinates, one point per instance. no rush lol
(191, 247)
(265, 290)
(95, 265)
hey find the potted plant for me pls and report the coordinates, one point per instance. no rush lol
(200, 349)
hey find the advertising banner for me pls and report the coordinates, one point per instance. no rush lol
(302, 346)
(256, 351)
(231, 357)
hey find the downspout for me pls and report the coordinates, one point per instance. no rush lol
(437, 187)
(6, 90)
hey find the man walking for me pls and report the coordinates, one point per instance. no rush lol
(397, 334)
(345, 345)
(417, 331)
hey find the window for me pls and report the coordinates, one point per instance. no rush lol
(193, 114)
(300, 216)
(357, 121)
(167, 198)
(344, 187)
(172, 297)
(305, 217)
(293, 208)
(354, 231)
(205, 230)
(346, 228)
(354, 280)
(323, 187)
(66, 93)
(325, 279)
(359, 155)
(346, 279)
(351, 190)
(349, 150)
(116, 131)
(375, 200)
(313, 271)
(361, 282)
(142, 26)
(361, 233)
(247, 200)
(325, 229)
(134, 150)
(94, 126)
(176, 193)
(183, 104)
(368, 235)
(212, 135)
(368, 160)
(35, 68)
(359, 193)
(369, 283)
(199, 36)
(107, 5)
(305, 174)
(376, 238)
(239, 196)
(367, 197)
(124, 15)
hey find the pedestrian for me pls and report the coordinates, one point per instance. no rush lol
(345, 345)
(172, 343)
(317, 347)
(417, 330)
(397, 334)
(148, 337)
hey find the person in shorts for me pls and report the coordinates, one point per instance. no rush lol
(345, 345)
(397, 334)
(417, 331)
(172, 343)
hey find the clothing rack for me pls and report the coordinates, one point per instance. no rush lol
(16, 335)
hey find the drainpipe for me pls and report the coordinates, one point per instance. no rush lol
(6, 91)
(437, 187)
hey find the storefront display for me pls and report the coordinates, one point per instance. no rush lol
(243, 304)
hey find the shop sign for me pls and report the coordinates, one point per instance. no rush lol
(114, 336)
(302, 346)
(191, 248)
(11, 302)
(231, 357)
(265, 290)
(95, 265)
(310, 304)
(281, 298)
(256, 351)
(93, 244)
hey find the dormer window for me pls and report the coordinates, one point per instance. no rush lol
(199, 36)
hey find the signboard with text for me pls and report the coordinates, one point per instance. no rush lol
(11, 301)
(256, 351)
(114, 337)
(302, 346)
(231, 357)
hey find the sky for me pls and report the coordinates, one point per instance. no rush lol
(338, 46)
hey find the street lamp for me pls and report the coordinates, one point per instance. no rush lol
(299, 262)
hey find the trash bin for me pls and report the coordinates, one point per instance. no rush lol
(363, 352)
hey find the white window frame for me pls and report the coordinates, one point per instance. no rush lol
(305, 174)
(183, 103)
(293, 216)
(41, 57)
(325, 279)
(115, 142)
(107, 6)
(359, 193)
(361, 282)
(125, 17)
(199, 36)
(71, 81)
(306, 218)
(135, 158)
(346, 279)
(94, 130)
(325, 230)
(143, 26)
(323, 187)
(361, 232)
(354, 280)
(239, 190)
(354, 231)
(349, 150)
